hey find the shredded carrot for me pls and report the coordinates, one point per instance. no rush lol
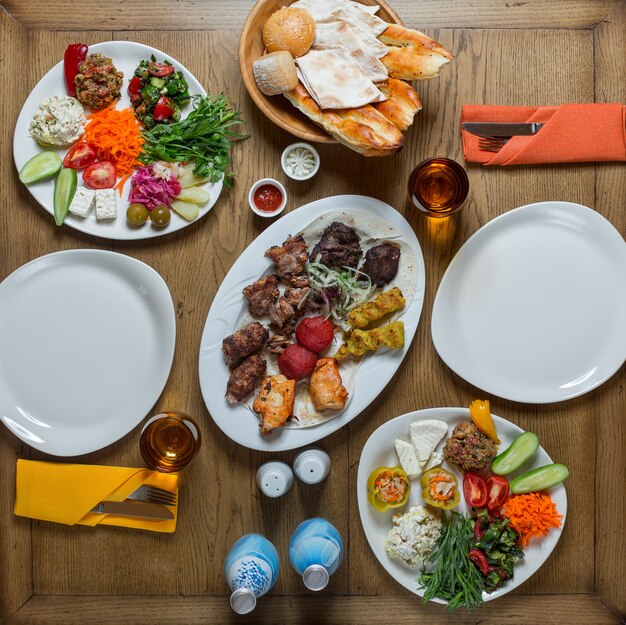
(532, 515)
(116, 136)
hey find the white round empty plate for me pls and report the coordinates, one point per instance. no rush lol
(86, 348)
(532, 307)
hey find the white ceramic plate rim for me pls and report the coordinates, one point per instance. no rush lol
(598, 227)
(237, 422)
(150, 281)
(24, 148)
(381, 443)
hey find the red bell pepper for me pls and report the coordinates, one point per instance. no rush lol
(74, 55)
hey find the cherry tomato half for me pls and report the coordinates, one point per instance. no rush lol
(163, 109)
(160, 69)
(474, 490)
(101, 175)
(498, 492)
(480, 560)
(81, 155)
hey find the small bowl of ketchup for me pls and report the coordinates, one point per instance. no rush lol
(267, 197)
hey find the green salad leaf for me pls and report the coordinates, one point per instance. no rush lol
(204, 137)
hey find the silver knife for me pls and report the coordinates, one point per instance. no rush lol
(501, 130)
(134, 508)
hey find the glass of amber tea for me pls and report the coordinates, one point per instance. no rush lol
(169, 441)
(438, 187)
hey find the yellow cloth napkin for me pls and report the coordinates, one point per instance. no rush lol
(65, 493)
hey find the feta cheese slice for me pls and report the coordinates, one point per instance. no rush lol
(408, 459)
(106, 206)
(82, 202)
(436, 458)
(425, 436)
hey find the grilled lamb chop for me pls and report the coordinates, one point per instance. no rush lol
(281, 312)
(260, 295)
(290, 259)
(381, 263)
(244, 342)
(338, 247)
(245, 378)
(278, 343)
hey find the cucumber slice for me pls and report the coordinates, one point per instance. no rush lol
(521, 449)
(539, 479)
(43, 165)
(157, 82)
(64, 189)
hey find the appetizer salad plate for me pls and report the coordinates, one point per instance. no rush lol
(379, 451)
(532, 307)
(126, 56)
(86, 350)
(363, 378)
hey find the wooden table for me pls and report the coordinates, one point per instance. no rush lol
(509, 52)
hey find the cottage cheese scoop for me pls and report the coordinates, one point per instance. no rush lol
(59, 120)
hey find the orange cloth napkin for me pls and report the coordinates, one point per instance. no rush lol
(572, 133)
(65, 493)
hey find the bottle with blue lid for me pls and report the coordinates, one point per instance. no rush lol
(315, 552)
(250, 569)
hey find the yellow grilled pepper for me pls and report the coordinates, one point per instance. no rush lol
(388, 487)
(481, 416)
(440, 489)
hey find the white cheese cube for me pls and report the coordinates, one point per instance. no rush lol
(82, 202)
(425, 436)
(408, 459)
(106, 207)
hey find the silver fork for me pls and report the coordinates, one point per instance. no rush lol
(492, 144)
(153, 495)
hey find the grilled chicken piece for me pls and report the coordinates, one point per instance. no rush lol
(338, 247)
(244, 342)
(325, 387)
(381, 306)
(245, 378)
(260, 294)
(274, 405)
(290, 259)
(381, 263)
(361, 341)
(278, 343)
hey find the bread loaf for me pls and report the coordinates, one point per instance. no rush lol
(402, 103)
(289, 29)
(362, 129)
(275, 73)
(412, 55)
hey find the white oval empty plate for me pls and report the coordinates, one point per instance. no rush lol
(532, 307)
(86, 348)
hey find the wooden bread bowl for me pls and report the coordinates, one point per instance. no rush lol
(277, 108)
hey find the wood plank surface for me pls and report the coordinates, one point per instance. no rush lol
(610, 511)
(218, 15)
(501, 60)
(383, 610)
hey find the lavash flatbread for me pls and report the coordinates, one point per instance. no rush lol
(372, 230)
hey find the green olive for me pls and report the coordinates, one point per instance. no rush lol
(160, 216)
(137, 214)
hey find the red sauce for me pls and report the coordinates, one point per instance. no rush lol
(268, 198)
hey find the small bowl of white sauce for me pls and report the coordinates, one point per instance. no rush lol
(300, 161)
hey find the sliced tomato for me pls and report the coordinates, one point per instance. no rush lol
(81, 155)
(134, 86)
(101, 175)
(163, 109)
(498, 493)
(160, 69)
(480, 560)
(474, 490)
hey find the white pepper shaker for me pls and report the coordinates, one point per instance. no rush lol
(274, 478)
(312, 465)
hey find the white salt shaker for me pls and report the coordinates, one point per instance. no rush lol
(274, 478)
(312, 465)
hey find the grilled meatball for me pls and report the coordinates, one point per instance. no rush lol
(260, 295)
(469, 448)
(245, 378)
(381, 263)
(338, 247)
(244, 342)
(290, 259)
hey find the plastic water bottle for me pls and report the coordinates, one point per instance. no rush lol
(316, 551)
(250, 569)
